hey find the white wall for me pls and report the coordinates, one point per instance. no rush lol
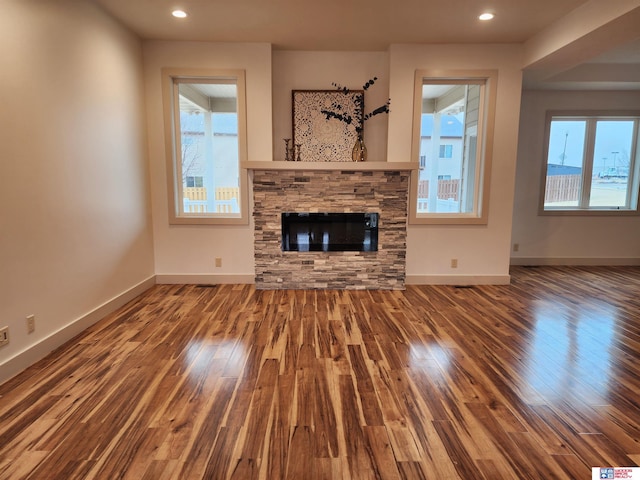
(294, 70)
(186, 253)
(482, 250)
(565, 239)
(75, 227)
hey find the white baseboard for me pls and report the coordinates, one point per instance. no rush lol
(577, 261)
(458, 279)
(205, 279)
(32, 354)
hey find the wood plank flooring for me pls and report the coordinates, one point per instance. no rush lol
(536, 380)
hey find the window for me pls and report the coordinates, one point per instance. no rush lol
(205, 131)
(195, 181)
(591, 163)
(453, 131)
(446, 151)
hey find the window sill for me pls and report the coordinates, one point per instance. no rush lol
(604, 212)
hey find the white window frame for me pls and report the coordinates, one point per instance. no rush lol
(171, 78)
(488, 79)
(583, 209)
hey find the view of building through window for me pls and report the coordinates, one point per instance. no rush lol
(448, 136)
(209, 148)
(590, 163)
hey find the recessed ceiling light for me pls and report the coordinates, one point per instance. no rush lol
(179, 13)
(486, 16)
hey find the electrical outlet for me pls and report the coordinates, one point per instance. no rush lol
(31, 323)
(516, 247)
(218, 262)
(454, 263)
(4, 336)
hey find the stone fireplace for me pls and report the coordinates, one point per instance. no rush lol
(293, 188)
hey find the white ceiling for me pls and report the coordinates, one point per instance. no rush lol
(616, 69)
(339, 24)
(366, 25)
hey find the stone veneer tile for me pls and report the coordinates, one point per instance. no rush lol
(384, 192)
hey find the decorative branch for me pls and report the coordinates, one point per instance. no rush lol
(339, 112)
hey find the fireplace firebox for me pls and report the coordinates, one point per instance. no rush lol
(329, 232)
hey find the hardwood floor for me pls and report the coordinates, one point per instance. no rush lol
(539, 379)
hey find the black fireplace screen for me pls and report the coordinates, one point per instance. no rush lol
(330, 232)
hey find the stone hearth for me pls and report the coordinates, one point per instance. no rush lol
(384, 191)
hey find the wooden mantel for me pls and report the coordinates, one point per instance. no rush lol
(324, 166)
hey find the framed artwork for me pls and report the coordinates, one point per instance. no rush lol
(319, 139)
